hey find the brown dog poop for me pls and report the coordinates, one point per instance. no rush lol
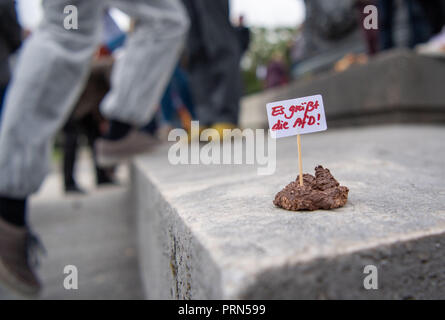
(319, 192)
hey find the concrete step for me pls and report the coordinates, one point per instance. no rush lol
(212, 232)
(94, 232)
(396, 86)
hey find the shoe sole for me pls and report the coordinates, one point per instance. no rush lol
(14, 285)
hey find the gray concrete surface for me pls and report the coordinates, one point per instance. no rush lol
(213, 232)
(396, 86)
(93, 232)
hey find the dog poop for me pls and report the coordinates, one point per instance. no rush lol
(319, 192)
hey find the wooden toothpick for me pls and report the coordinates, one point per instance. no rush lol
(300, 161)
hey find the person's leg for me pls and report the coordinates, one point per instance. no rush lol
(229, 90)
(433, 12)
(441, 8)
(91, 128)
(70, 146)
(222, 51)
(152, 50)
(49, 77)
(167, 106)
(140, 76)
(386, 22)
(2, 98)
(182, 83)
(420, 30)
(201, 86)
(226, 90)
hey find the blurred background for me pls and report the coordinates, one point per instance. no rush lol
(254, 52)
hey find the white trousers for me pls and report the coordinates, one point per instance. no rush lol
(52, 70)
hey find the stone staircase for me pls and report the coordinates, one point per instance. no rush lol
(212, 232)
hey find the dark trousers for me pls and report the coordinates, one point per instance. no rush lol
(2, 100)
(418, 26)
(435, 12)
(214, 60)
(216, 87)
(72, 130)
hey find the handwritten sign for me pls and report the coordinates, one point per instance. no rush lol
(296, 116)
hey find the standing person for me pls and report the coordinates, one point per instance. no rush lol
(10, 41)
(51, 72)
(213, 52)
(244, 39)
(243, 33)
(86, 119)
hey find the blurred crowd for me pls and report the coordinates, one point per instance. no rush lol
(122, 92)
(330, 22)
(205, 84)
(426, 19)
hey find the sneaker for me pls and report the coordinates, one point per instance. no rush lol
(111, 153)
(18, 260)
